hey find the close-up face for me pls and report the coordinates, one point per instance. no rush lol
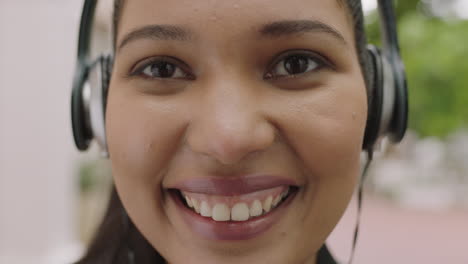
(235, 128)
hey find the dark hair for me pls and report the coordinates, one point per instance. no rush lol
(117, 240)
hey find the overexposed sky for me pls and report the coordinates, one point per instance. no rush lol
(369, 5)
(458, 8)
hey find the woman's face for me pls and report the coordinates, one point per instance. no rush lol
(235, 127)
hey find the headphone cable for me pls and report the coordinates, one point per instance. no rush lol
(370, 155)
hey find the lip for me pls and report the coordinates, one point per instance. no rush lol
(230, 230)
(232, 186)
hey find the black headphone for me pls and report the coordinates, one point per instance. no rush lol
(388, 101)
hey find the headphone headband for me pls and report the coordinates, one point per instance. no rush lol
(82, 132)
(86, 25)
(391, 51)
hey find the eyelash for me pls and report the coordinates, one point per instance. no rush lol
(320, 61)
(178, 66)
(181, 68)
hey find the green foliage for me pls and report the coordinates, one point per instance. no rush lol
(86, 178)
(93, 174)
(435, 53)
(405, 7)
(436, 57)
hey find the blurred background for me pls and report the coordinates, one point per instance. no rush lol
(415, 206)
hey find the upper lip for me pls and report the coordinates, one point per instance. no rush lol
(230, 186)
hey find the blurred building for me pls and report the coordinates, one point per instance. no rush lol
(37, 189)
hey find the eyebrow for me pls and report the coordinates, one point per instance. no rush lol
(292, 27)
(156, 32)
(274, 29)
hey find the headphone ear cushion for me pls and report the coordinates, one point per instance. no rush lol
(82, 132)
(375, 97)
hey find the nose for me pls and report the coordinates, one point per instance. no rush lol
(229, 123)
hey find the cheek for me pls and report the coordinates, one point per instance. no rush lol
(142, 135)
(326, 131)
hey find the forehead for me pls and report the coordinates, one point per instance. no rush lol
(232, 16)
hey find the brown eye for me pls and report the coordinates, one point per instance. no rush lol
(162, 69)
(295, 65)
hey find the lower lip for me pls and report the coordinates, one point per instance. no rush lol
(231, 230)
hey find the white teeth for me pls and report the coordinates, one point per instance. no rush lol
(267, 204)
(196, 205)
(189, 202)
(205, 210)
(276, 200)
(256, 208)
(221, 212)
(240, 212)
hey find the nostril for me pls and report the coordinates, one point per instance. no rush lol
(230, 144)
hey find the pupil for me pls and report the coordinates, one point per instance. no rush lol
(162, 69)
(296, 64)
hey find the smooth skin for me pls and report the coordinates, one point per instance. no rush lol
(213, 94)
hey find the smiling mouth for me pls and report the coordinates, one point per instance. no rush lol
(237, 208)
